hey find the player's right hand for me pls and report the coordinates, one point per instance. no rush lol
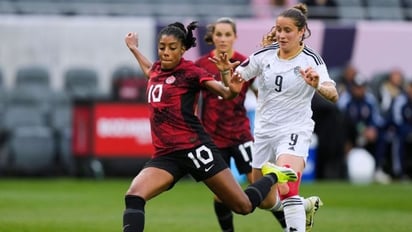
(132, 40)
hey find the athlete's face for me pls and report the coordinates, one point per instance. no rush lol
(288, 35)
(224, 37)
(170, 51)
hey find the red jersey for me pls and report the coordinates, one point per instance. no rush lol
(225, 120)
(173, 96)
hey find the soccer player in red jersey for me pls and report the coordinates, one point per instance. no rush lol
(181, 144)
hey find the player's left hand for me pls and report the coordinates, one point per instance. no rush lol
(223, 63)
(310, 76)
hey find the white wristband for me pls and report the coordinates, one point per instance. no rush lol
(319, 86)
(227, 71)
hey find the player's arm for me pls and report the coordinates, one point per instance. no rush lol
(226, 92)
(132, 43)
(224, 66)
(230, 86)
(326, 89)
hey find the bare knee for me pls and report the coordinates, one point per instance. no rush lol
(242, 207)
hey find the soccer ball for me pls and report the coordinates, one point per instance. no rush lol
(361, 166)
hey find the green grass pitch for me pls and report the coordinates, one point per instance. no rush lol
(77, 205)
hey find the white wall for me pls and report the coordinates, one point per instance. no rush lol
(62, 42)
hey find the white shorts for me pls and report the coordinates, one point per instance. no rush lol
(269, 149)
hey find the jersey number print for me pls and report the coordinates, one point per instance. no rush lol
(155, 93)
(278, 83)
(203, 155)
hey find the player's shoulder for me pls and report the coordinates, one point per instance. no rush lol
(202, 59)
(312, 55)
(269, 49)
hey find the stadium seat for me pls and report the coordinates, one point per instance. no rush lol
(7, 7)
(16, 116)
(349, 3)
(81, 83)
(31, 150)
(33, 76)
(129, 84)
(406, 3)
(383, 3)
(351, 13)
(385, 13)
(30, 96)
(407, 9)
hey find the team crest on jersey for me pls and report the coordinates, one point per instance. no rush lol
(170, 80)
(296, 70)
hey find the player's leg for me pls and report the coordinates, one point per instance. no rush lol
(223, 213)
(293, 208)
(263, 151)
(224, 185)
(143, 187)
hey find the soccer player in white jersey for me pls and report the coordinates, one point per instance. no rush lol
(289, 74)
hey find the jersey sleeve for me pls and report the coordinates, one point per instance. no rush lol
(323, 74)
(249, 68)
(204, 76)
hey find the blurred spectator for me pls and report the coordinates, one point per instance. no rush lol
(270, 8)
(319, 2)
(321, 9)
(346, 78)
(386, 91)
(363, 123)
(390, 88)
(402, 116)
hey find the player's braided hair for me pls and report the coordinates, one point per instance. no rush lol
(185, 35)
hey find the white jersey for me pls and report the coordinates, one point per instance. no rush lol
(284, 99)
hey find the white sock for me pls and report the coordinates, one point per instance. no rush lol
(294, 213)
(278, 206)
(306, 204)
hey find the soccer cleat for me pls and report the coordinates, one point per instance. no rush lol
(284, 174)
(314, 204)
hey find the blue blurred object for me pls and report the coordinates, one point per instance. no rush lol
(241, 178)
(309, 173)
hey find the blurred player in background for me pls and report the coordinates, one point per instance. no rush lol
(289, 73)
(181, 144)
(226, 121)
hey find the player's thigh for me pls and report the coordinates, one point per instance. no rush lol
(150, 182)
(228, 190)
(293, 161)
(263, 150)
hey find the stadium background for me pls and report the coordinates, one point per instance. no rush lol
(60, 42)
(60, 35)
